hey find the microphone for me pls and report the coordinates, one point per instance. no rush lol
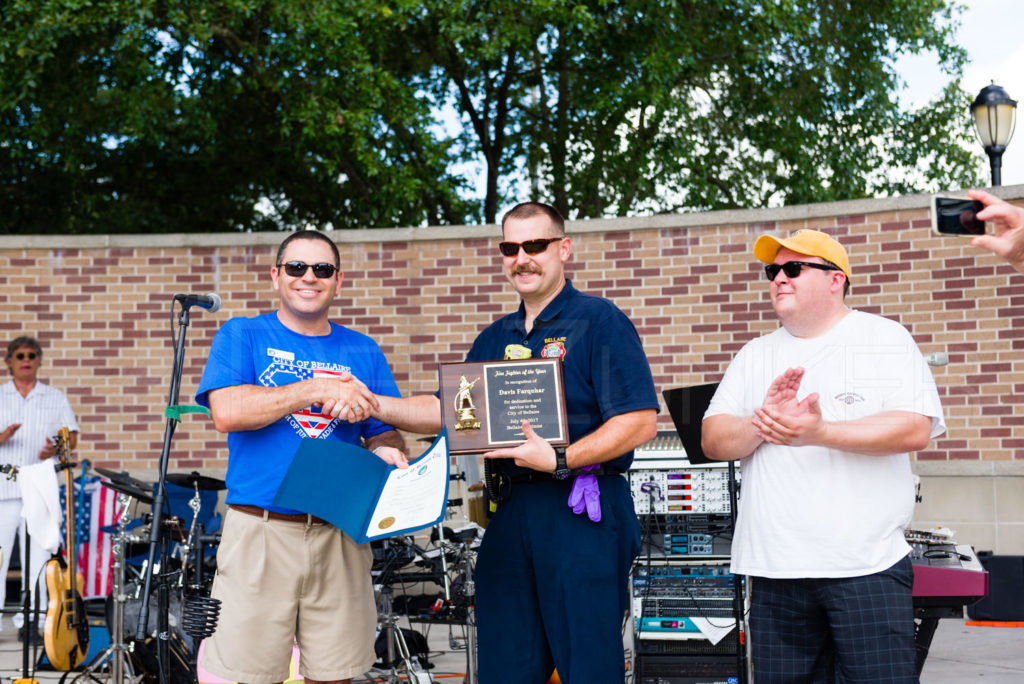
(210, 302)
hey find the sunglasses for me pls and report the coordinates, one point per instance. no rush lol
(22, 355)
(792, 268)
(297, 269)
(511, 249)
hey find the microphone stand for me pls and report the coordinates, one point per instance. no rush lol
(30, 618)
(158, 541)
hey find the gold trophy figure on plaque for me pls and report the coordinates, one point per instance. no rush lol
(464, 407)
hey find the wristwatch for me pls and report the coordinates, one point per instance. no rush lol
(561, 467)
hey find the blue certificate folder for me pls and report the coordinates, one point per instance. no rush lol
(366, 498)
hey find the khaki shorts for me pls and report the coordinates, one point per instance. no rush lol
(280, 581)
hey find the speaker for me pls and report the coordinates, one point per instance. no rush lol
(1005, 600)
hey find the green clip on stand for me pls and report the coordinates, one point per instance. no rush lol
(176, 412)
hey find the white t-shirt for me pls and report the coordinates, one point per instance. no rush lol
(817, 512)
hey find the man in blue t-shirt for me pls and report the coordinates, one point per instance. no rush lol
(283, 575)
(553, 566)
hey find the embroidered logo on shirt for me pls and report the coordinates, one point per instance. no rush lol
(849, 398)
(553, 350)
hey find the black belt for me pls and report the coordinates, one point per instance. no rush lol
(538, 476)
(499, 484)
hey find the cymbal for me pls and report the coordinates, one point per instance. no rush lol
(130, 527)
(122, 478)
(194, 480)
(143, 495)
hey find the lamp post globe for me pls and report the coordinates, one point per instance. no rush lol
(994, 119)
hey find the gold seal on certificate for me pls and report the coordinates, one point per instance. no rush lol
(484, 403)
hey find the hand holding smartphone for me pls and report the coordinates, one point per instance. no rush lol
(956, 215)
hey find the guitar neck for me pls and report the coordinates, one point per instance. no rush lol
(69, 501)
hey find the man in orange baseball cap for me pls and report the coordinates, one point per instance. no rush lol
(823, 413)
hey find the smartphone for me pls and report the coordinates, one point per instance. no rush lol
(954, 215)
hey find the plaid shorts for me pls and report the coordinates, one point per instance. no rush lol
(845, 629)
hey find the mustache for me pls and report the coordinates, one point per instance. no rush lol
(525, 268)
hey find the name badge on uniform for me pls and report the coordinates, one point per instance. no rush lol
(517, 351)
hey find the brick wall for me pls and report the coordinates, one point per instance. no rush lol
(100, 305)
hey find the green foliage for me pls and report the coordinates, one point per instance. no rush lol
(616, 108)
(129, 116)
(187, 115)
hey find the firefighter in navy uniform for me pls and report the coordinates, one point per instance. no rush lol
(552, 572)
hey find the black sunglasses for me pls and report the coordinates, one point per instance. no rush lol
(792, 268)
(511, 249)
(21, 356)
(297, 269)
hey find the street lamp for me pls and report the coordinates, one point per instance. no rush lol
(994, 118)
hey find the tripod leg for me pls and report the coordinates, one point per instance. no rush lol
(470, 647)
(411, 664)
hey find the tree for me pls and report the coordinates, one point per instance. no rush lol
(616, 108)
(136, 116)
(204, 115)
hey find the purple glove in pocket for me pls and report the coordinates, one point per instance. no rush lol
(586, 495)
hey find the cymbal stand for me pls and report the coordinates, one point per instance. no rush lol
(447, 586)
(398, 654)
(113, 656)
(185, 548)
(199, 613)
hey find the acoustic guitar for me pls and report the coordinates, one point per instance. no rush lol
(66, 632)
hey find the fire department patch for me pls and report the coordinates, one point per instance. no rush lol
(553, 350)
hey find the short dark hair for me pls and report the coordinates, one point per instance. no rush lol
(525, 210)
(23, 341)
(308, 235)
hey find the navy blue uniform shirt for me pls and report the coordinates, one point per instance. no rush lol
(603, 362)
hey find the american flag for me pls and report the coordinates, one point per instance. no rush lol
(98, 508)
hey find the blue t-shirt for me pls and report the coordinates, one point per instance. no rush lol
(262, 351)
(603, 362)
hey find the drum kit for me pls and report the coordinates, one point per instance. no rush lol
(186, 614)
(180, 597)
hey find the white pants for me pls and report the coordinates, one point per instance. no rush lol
(11, 523)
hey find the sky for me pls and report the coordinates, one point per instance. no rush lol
(992, 31)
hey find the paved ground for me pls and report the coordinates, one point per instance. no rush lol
(959, 654)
